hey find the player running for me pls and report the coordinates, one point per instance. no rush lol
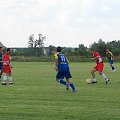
(99, 67)
(62, 65)
(1, 55)
(109, 56)
(7, 67)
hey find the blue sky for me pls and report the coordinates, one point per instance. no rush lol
(63, 22)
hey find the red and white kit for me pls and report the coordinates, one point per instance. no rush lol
(100, 65)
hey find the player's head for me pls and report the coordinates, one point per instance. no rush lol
(9, 50)
(92, 50)
(0, 49)
(53, 51)
(107, 50)
(59, 49)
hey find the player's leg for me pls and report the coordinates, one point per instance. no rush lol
(60, 78)
(104, 76)
(5, 78)
(111, 65)
(69, 83)
(10, 78)
(100, 70)
(7, 75)
(93, 75)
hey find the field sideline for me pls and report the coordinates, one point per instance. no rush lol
(36, 95)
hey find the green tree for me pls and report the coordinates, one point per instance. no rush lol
(114, 46)
(100, 47)
(40, 44)
(82, 50)
(31, 41)
(31, 45)
(36, 46)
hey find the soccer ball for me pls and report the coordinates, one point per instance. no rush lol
(88, 81)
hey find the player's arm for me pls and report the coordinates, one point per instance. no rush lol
(6, 63)
(56, 62)
(6, 60)
(106, 55)
(56, 65)
(67, 60)
(96, 57)
(0, 59)
(91, 58)
(53, 62)
(111, 54)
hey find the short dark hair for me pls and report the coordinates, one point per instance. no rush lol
(53, 49)
(92, 49)
(59, 49)
(8, 49)
(0, 47)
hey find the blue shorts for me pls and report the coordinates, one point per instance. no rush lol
(111, 61)
(61, 75)
(0, 66)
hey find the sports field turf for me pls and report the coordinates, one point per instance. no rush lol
(36, 95)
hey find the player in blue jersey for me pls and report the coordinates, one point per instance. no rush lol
(1, 54)
(109, 56)
(63, 70)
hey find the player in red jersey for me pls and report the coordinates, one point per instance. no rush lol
(99, 67)
(7, 67)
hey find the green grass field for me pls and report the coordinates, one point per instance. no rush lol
(36, 95)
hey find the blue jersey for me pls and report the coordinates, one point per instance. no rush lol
(1, 54)
(63, 64)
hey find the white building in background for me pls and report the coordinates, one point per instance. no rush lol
(1, 45)
(45, 50)
(14, 50)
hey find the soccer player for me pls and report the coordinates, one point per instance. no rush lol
(1, 54)
(109, 56)
(63, 70)
(99, 67)
(7, 67)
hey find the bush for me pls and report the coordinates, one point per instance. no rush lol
(50, 58)
(30, 59)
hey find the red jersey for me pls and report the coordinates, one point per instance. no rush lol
(97, 57)
(6, 59)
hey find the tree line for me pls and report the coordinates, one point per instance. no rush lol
(36, 48)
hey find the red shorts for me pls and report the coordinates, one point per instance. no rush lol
(99, 67)
(6, 69)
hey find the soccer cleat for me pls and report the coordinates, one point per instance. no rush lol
(114, 70)
(4, 84)
(67, 86)
(93, 82)
(10, 83)
(107, 81)
(75, 91)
